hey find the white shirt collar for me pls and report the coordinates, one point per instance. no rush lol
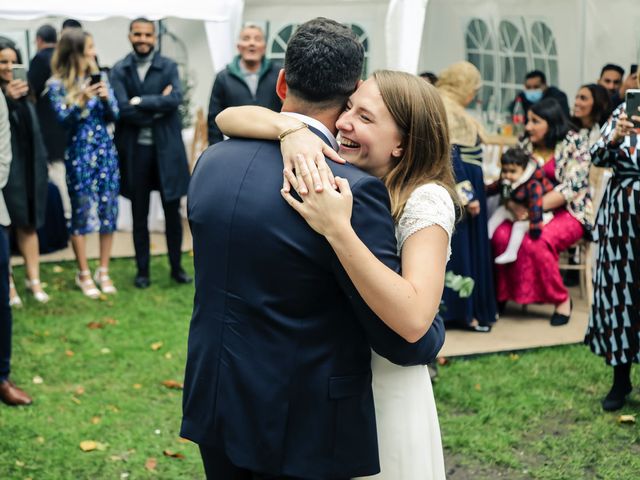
(312, 122)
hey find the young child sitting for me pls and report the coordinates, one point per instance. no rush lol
(524, 182)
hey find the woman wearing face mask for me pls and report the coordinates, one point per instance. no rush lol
(26, 189)
(614, 323)
(91, 160)
(535, 277)
(395, 128)
(590, 111)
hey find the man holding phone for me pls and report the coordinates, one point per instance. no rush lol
(149, 142)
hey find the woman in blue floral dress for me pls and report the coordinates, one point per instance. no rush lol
(91, 159)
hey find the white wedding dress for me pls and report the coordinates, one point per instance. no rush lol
(407, 421)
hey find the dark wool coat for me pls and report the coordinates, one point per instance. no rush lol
(160, 112)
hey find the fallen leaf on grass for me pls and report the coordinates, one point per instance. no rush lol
(113, 408)
(169, 453)
(101, 446)
(137, 386)
(168, 356)
(88, 445)
(477, 387)
(76, 400)
(37, 380)
(105, 350)
(172, 384)
(69, 353)
(19, 463)
(40, 439)
(151, 464)
(80, 390)
(95, 325)
(110, 321)
(57, 269)
(96, 420)
(627, 419)
(156, 346)
(514, 356)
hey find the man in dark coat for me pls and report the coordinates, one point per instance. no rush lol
(55, 136)
(536, 88)
(250, 79)
(278, 376)
(149, 142)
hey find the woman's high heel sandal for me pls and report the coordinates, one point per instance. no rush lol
(40, 295)
(87, 286)
(104, 282)
(14, 298)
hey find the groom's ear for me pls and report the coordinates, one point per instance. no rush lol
(360, 82)
(281, 85)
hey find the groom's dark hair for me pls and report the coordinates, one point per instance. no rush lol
(323, 62)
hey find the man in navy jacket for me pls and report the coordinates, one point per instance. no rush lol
(278, 378)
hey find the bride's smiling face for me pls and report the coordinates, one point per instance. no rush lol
(369, 137)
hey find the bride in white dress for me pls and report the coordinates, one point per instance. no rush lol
(395, 128)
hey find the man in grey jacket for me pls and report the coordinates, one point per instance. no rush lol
(250, 79)
(9, 393)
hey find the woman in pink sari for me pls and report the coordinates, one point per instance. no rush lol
(535, 277)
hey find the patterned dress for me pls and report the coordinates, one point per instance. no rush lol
(91, 160)
(614, 324)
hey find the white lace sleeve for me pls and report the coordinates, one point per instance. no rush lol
(428, 205)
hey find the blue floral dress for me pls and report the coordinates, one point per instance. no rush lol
(91, 160)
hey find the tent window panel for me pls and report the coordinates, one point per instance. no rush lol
(545, 52)
(553, 72)
(481, 52)
(487, 67)
(508, 94)
(520, 68)
(279, 42)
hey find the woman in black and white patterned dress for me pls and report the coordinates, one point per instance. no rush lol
(614, 324)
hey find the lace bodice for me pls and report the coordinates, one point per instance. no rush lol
(429, 204)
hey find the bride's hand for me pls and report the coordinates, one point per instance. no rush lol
(312, 148)
(327, 211)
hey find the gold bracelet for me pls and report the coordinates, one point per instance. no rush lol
(291, 130)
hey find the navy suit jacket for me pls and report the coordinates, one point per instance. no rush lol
(278, 371)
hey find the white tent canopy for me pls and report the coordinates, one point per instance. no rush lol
(222, 18)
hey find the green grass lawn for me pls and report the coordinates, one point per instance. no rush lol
(534, 415)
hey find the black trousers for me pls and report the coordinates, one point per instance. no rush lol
(217, 466)
(5, 309)
(147, 178)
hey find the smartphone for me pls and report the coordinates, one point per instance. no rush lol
(95, 78)
(632, 99)
(19, 72)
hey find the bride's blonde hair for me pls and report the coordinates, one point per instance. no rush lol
(418, 111)
(70, 64)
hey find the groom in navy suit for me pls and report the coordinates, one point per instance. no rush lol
(278, 378)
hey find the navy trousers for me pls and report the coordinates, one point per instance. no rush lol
(147, 177)
(5, 309)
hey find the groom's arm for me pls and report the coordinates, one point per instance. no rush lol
(372, 222)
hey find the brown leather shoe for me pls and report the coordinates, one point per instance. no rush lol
(12, 395)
